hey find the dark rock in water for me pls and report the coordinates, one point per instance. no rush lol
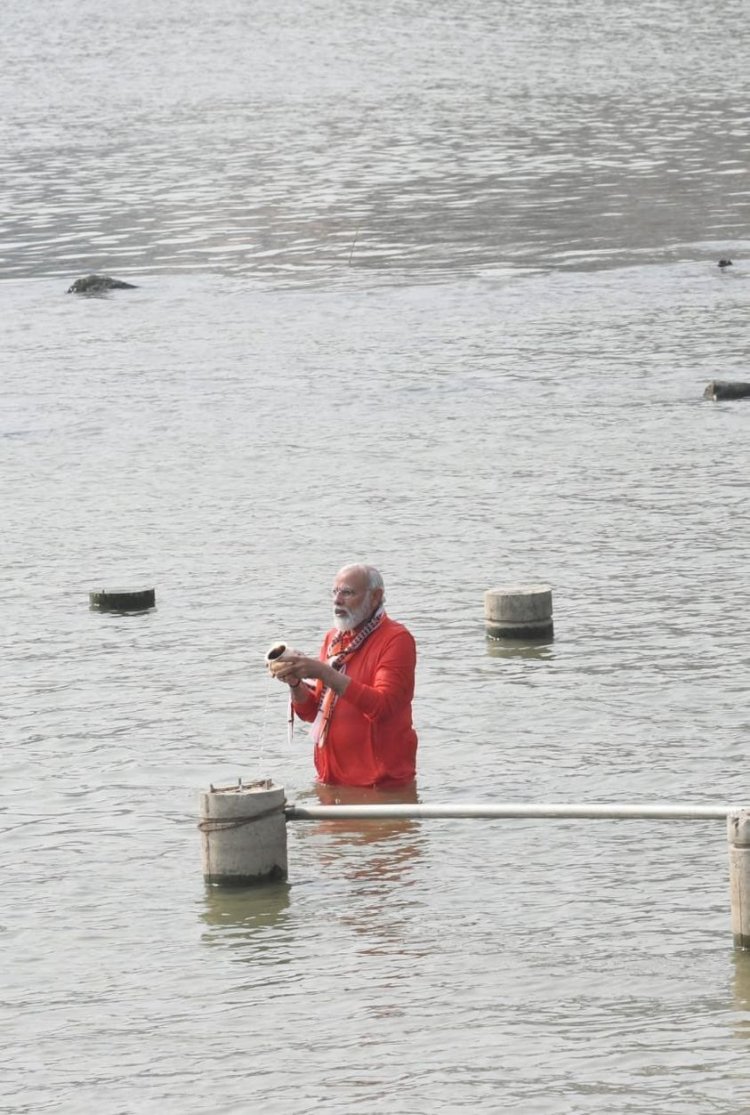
(725, 263)
(94, 284)
(727, 389)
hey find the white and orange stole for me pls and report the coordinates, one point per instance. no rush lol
(342, 647)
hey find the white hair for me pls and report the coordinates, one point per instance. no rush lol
(374, 577)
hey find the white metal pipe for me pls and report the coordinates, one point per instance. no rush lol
(407, 811)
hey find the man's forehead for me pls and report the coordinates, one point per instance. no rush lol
(351, 578)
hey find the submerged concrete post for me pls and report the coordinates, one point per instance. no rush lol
(123, 600)
(727, 389)
(518, 612)
(738, 834)
(243, 834)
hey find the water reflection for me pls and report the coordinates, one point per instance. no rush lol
(520, 648)
(367, 849)
(741, 992)
(378, 860)
(235, 915)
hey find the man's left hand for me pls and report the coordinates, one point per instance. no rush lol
(295, 667)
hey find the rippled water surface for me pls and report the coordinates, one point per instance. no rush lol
(433, 287)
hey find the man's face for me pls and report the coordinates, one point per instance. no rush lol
(353, 601)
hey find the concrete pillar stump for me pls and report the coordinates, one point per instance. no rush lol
(727, 389)
(123, 600)
(243, 834)
(519, 612)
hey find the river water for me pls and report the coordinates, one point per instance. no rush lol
(434, 287)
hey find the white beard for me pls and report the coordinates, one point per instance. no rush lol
(352, 619)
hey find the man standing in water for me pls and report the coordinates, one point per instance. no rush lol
(358, 693)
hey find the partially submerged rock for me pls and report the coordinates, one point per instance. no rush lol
(95, 284)
(727, 389)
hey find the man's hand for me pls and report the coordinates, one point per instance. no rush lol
(293, 667)
(296, 667)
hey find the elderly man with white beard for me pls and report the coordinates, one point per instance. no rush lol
(357, 694)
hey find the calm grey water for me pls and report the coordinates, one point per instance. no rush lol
(433, 287)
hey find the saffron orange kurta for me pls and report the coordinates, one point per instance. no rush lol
(370, 740)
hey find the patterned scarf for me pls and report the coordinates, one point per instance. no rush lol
(340, 649)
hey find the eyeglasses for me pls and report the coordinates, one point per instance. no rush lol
(345, 592)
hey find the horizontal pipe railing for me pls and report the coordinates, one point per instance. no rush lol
(416, 811)
(244, 831)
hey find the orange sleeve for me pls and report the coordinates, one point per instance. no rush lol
(307, 709)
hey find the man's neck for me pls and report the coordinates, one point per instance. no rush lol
(369, 619)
